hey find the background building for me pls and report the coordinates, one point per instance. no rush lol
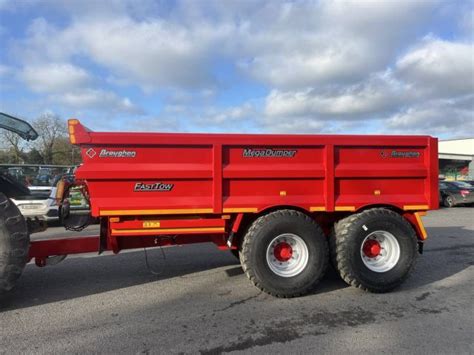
(456, 159)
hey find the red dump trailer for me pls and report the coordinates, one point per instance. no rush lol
(285, 205)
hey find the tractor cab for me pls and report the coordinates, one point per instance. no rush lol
(8, 185)
(20, 127)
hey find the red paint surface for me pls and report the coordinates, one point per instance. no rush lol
(283, 251)
(371, 248)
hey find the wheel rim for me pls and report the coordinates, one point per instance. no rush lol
(287, 255)
(449, 201)
(380, 251)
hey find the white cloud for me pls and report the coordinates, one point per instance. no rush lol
(151, 54)
(45, 43)
(320, 43)
(439, 67)
(289, 45)
(45, 56)
(95, 99)
(206, 118)
(434, 71)
(379, 93)
(439, 117)
(71, 87)
(54, 77)
(319, 64)
(229, 115)
(154, 53)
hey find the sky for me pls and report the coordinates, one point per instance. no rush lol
(335, 67)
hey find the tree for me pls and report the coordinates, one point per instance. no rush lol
(50, 130)
(51, 147)
(33, 157)
(16, 144)
(65, 153)
(7, 156)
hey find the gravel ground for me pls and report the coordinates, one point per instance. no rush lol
(200, 302)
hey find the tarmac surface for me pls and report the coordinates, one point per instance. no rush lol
(199, 301)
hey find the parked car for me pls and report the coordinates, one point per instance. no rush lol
(470, 182)
(40, 203)
(452, 193)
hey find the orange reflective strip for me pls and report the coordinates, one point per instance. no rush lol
(415, 207)
(240, 210)
(151, 212)
(167, 230)
(345, 208)
(424, 235)
(317, 208)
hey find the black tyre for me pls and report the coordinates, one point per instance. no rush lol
(448, 201)
(374, 250)
(284, 253)
(14, 243)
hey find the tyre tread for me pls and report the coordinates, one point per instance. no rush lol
(14, 244)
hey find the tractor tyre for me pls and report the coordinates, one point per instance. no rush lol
(284, 253)
(14, 243)
(374, 250)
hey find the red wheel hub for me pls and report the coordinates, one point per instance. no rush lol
(283, 251)
(371, 248)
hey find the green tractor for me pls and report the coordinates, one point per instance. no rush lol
(14, 229)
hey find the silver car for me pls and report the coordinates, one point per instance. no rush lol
(41, 203)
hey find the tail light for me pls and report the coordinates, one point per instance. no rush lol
(464, 193)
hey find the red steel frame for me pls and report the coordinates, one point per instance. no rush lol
(215, 186)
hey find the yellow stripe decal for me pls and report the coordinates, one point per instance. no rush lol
(345, 208)
(415, 207)
(151, 212)
(424, 235)
(317, 208)
(167, 230)
(240, 210)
